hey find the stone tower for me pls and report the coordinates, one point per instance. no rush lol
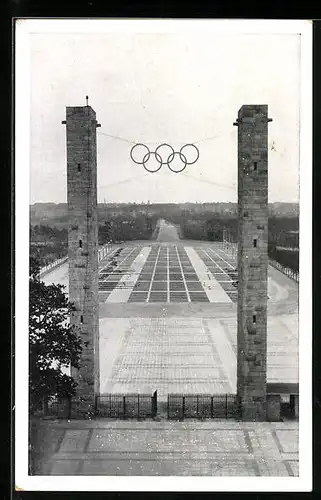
(83, 243)
(252, 125)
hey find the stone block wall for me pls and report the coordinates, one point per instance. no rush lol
(252, 125)
(83, 242)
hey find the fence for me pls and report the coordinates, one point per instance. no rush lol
(52, 265)
(231, 248)
(104, 250)
(105, 405)
(126, 405)
(102, 253)
(180, 406)
(285, 270)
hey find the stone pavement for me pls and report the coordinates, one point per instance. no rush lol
(170, 355)
(187, 354)
(167, 448)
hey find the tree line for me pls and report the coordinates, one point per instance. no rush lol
(49, 243)
(120, 228)
(280, 231)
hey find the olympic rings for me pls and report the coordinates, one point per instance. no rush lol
(137, 146)
(184, 161)
(197, 152)
(158, 158)
(163, 158)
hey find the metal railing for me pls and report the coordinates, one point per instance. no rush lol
(231, 249)
(52, 265)
(102, 253)
(126, 405)
(105, 250)
(179, 407)
(285, 270)
(103, 405)
(222, 406)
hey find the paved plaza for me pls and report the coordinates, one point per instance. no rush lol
(190, 355)
(167, 448)
(168, 323)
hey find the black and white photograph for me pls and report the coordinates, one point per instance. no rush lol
(163, 255)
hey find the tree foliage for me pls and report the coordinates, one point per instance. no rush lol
(126, 228)
(47, 243)
(54, 344)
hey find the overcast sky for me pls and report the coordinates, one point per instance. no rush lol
(154, 88)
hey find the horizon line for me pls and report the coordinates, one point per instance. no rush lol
(158, 202)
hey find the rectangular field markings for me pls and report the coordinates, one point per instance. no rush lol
(191, 277)
(137, 297)
(178, 297)
(211, 287)
(144, 277)
(199, 297)
(158, 286)
(108, 285)
(141, 286)
(228, 286)
(195, 286)
(157, 297)
(180, 264)
(125, 286)
(176, 286)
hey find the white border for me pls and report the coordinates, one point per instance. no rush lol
(22, 148)
(305, 261)
(22, 156)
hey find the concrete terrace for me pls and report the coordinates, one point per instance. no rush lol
(168, 448)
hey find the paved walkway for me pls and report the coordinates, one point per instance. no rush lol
(213, 289)
(128, 280)
(166, 448)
